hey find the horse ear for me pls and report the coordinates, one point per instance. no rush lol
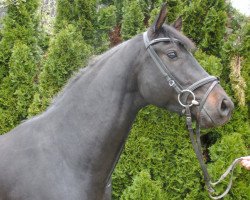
(178, 24)
(160, 18)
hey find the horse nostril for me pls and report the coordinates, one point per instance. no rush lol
(225, 107)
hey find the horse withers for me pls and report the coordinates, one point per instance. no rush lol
(70, 150)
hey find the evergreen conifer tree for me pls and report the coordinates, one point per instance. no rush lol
(67, 53)
(19, 58)
(205, 23)
(106, 21)
(119, 13)
(17, 88)
(20, 23)
(133, 19)
(143, 188)
(80, 13)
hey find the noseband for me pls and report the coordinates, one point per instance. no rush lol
(183, 94)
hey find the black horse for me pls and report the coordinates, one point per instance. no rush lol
(69, 151)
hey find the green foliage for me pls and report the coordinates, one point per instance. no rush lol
(159, 143)
(119, 5)
(144, 6)
(149, 5)
(210, 63)
(19, 58)
(204, 22)
(153, 14)
(133, 18)
(222, 153)
(236, 58)
(143, 188)
(80, 13)
(235, 19)
(20, 23)
(106, 2)
(238, 43)
(237, 81)
(149, 9)
(67, 53)
(17, 88)
(106, 20)
(213, 31)
(174, 9)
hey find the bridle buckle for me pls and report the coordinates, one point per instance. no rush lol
(171, 83)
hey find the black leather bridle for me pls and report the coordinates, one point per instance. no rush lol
(183, 94)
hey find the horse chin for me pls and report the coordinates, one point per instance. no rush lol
(211, 120)
(206, 122)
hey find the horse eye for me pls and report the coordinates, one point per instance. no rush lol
(172, 54)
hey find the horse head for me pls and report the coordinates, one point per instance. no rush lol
(173, 79)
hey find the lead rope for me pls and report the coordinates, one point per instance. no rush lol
(230, 169)
(197, 148)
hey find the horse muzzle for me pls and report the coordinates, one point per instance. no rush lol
(216, 111)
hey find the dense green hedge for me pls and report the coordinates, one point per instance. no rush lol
(20, 56)
(158, 161)
(20, 24)
(67, 52)
(17, 89)
(80, 13)
(106, 21)
(144, 187)
(204, 22)
(132, 23)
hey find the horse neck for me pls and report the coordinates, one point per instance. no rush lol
(98, 110)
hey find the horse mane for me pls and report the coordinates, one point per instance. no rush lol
(80, 72)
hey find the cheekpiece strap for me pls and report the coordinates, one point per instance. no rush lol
(162, 67)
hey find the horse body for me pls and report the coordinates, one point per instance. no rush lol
(69, 151)
(72, 147)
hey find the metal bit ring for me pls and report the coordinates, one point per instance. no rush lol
(193, 102)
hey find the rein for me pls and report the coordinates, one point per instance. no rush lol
(184, 93)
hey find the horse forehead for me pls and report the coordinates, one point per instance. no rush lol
(184, 40)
